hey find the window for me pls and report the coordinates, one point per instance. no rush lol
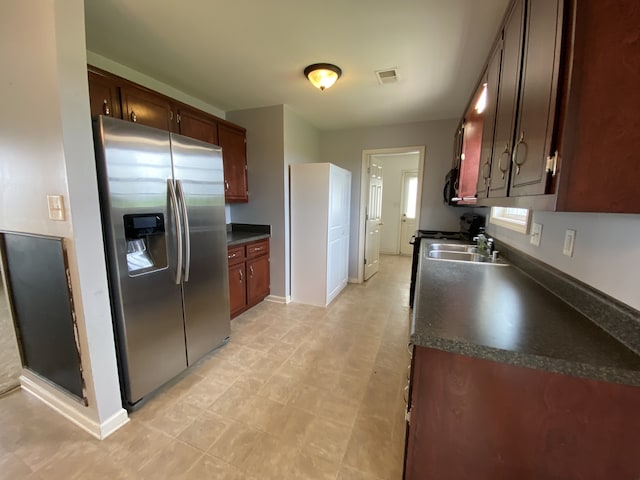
(512, 218)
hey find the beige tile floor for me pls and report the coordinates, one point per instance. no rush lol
(300, 392)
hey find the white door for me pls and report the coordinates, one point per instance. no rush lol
(373, 220)
(338, 231)
(408, 213)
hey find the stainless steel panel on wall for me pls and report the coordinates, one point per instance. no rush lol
(134, 163)
(199, 179)
(36, 271)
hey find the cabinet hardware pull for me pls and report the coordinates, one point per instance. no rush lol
(133, 116)
(251, 270)
(552, 163)
(505, 155)
(226, 185)
(519, 146)
(105, 108)
(171, 115)
(486, 171)
(240, 272)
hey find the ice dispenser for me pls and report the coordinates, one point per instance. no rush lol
(146, 243)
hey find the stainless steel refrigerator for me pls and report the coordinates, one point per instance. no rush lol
(162, 203)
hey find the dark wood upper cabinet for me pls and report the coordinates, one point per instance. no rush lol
(232, 141)
(600, 169)
(146, 108)
(193, 124)
(567, 121)
(491, 85)
(470, 158)
(538, 98)
(120, 98)
(507, 101)
(104, 95)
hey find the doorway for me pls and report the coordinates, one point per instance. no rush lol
(392, 165)
(408, 207)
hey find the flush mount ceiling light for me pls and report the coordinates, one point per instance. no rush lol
(322, 75)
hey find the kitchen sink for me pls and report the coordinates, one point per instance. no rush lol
(464, 257)
(453, 247)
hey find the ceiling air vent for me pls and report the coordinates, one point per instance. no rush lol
(388, 75)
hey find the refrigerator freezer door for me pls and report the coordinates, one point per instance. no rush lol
(134, 163)
(200, 184)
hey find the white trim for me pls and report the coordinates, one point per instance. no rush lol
(277, 299)
(364, 191)
(61, 403)
(353, 280)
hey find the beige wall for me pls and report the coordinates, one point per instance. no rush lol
(276, 138)
(46, 148)
(606, 252)
(265, 168)
(344, 148)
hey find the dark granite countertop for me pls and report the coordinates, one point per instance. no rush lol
(499, 313)
(239, 233)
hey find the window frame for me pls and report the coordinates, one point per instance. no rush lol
(518, 222)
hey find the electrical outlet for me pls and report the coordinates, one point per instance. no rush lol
(569, 241)
(536, 234)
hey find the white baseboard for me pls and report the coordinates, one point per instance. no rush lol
(70, 409)
(276, 299)
(353, 280)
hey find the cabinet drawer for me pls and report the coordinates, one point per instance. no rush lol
(258, 248)
(235, 254)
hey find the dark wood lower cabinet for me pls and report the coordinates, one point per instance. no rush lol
(249, 275)
(474, 418)
(237, 288)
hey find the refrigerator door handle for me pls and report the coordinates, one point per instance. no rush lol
(187, 233)
(176, 217)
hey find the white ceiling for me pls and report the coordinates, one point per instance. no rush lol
(237, 54)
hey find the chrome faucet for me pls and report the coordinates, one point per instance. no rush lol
(484, 244)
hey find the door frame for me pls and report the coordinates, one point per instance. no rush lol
(364, 191)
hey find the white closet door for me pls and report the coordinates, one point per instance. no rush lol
(338, 245)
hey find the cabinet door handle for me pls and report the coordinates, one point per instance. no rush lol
(241, 275)
(486, 171)
(251, 271)
(105, 107)
(521, 146)
(233, 255)
(504, 156)
(133, 116)
(226, 185)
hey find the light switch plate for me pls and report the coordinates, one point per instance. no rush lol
(56, 207)
(569, 241)
(536, 234)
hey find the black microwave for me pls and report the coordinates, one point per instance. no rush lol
(450, 190)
